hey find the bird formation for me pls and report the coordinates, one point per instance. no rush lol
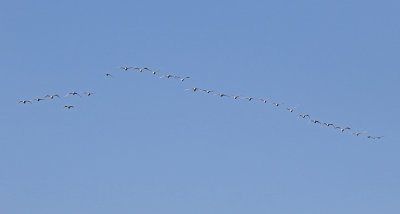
(160, 75)
(53, 96)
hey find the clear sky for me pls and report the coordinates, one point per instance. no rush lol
(144, 145)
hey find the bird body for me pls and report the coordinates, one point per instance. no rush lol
(68, 107)
(52, 96)
(304, 115)
(315, 121)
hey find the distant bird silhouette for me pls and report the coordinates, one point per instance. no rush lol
(38, 99)
(154, 72)
(52, 96)
(142, 69)
(344, 129)
(68, 107)
(126, 68)
(207, 91)
(183, 79)
(379, 137)
(249, 98)
(167, 76)
(221, 95)
(24, 101)
(89, 93)
(108, 75)
(328, 124)
(192, 89)
(357, 133)
(236, 96)
(264, 100)
(315, 121)
(291, 109)
(277, 104)
(304, 115)
(73, 93)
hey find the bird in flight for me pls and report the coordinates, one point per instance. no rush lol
(379, 137)
(68, 107)
(142, 69)
(52, 96)
(89, 93)
(207, 91)
(154, 72)
(304, 115)
(291, 109)
(193, 89)
(126, 68)
(357, 133)
(236, 96)
(315, 121)
(108, 75)
(167, 76)
(38, 99)
(344, 129)
(264, 100)
(73, 93)
(221, 95)
(328, 124)
(183, 79)
(277, 104)
(24, 101)
(249, 98)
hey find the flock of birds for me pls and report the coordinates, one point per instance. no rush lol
(51, 97)
(212, 92)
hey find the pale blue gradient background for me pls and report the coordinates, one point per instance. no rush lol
(143, 145)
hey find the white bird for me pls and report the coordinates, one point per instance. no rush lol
(126, 68)
(141, 69)
(183, 79)
(343, 129)
(264, 100)
(235, 96)
(52, 96)
(24, 101)
(192, 89)
(291, 109)
(277, 104)
(154, 72)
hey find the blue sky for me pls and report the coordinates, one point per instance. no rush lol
(144, 145)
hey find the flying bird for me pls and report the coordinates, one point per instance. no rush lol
(167, 76)
(236, 96)
(142, 69)
(291, 109)
(304, 115)
(379, 137)
(343, 129)
(24, 101)
(38, 99)
(108, 75)
(277, 104)
(183, 79)
(126, 68)
(193, 89)
(52, 96)
(89, 93)
(221, 95)
(249, 98)
(315, 121)
(73, 93)
(68, 107)
(207, 91)
(328, 124)
(264, 100)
